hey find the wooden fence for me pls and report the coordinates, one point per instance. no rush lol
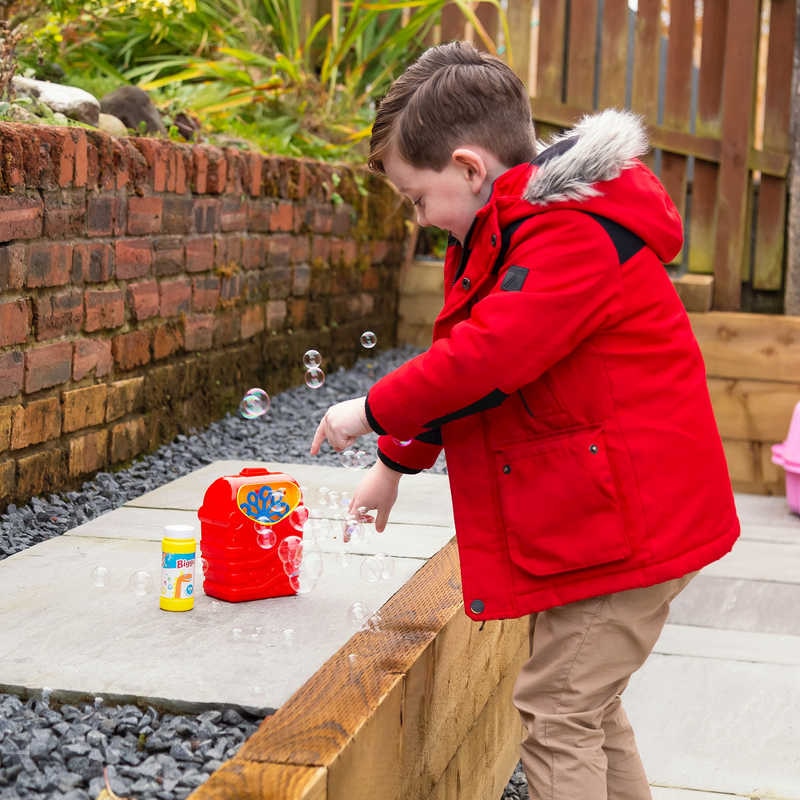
(713, 82)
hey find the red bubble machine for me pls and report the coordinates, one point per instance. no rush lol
(243, 521)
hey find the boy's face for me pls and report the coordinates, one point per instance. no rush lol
(448, 199)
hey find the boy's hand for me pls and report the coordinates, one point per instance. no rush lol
(377, 490)
(341, 425)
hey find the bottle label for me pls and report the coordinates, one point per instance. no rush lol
(177, 575)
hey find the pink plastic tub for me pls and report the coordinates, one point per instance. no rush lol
(787, 455)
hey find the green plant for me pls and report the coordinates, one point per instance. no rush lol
(92, 39)
(311, 85)
(261, 71)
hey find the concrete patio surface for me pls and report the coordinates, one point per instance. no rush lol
(716, 707)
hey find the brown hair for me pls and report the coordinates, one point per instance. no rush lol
(453, 95)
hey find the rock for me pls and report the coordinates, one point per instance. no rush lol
(112, 125)
(69, 100)
(17, 113)
(187, 125)
(136, 110)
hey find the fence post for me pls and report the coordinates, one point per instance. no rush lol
(738, 102)
(792, 293)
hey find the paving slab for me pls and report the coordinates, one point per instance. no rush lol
(718, 725)
(716, 705)
(59, 630)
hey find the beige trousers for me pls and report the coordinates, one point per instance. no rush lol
(578, 743)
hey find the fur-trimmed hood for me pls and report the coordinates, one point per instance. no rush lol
(594, 167)
(597, 149)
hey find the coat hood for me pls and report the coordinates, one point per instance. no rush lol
(595, 167)
(596, 150)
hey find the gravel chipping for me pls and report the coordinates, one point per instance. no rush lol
(60, 751)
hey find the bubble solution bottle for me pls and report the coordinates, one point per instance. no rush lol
(178, 549)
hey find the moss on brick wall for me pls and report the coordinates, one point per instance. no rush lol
(145, 285)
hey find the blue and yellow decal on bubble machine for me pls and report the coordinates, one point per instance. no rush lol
(268, 504)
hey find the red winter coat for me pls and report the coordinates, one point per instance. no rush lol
(567, 388)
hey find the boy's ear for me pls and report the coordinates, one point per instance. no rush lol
(473, 166)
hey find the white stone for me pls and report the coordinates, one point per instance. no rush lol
(71, 101)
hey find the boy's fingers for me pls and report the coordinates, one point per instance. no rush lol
(381, 518)
(319, 438)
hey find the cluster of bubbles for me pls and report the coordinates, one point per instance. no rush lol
(355, 459)
(301, 556)
(256, 401)
(258, 635)
(312, 361)
(140, 582)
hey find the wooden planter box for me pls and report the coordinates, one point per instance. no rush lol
(419, 709)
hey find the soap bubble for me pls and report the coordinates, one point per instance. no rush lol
(363, 459)
(100, 576)
(368, 340)
(255, 634)
(299, 517)
(371, 570)
(254, 403)
(387, 566)
(315, 377)
(266, 538)
(348, 459)
(379, 567)
(265, 535)
(358, 613)
(352, 663)
(373, 623)
(306, 579)
(351, 529)
(290, 552)
(312, 359)
(291, 568)
(363, 516)
(312, 565)
(141, 583)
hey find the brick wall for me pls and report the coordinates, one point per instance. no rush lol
(145, 285)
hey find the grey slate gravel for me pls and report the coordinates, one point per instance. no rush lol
(58, 751)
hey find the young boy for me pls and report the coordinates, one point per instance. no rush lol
(568, 391)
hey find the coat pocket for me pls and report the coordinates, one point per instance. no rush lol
(559, 503)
